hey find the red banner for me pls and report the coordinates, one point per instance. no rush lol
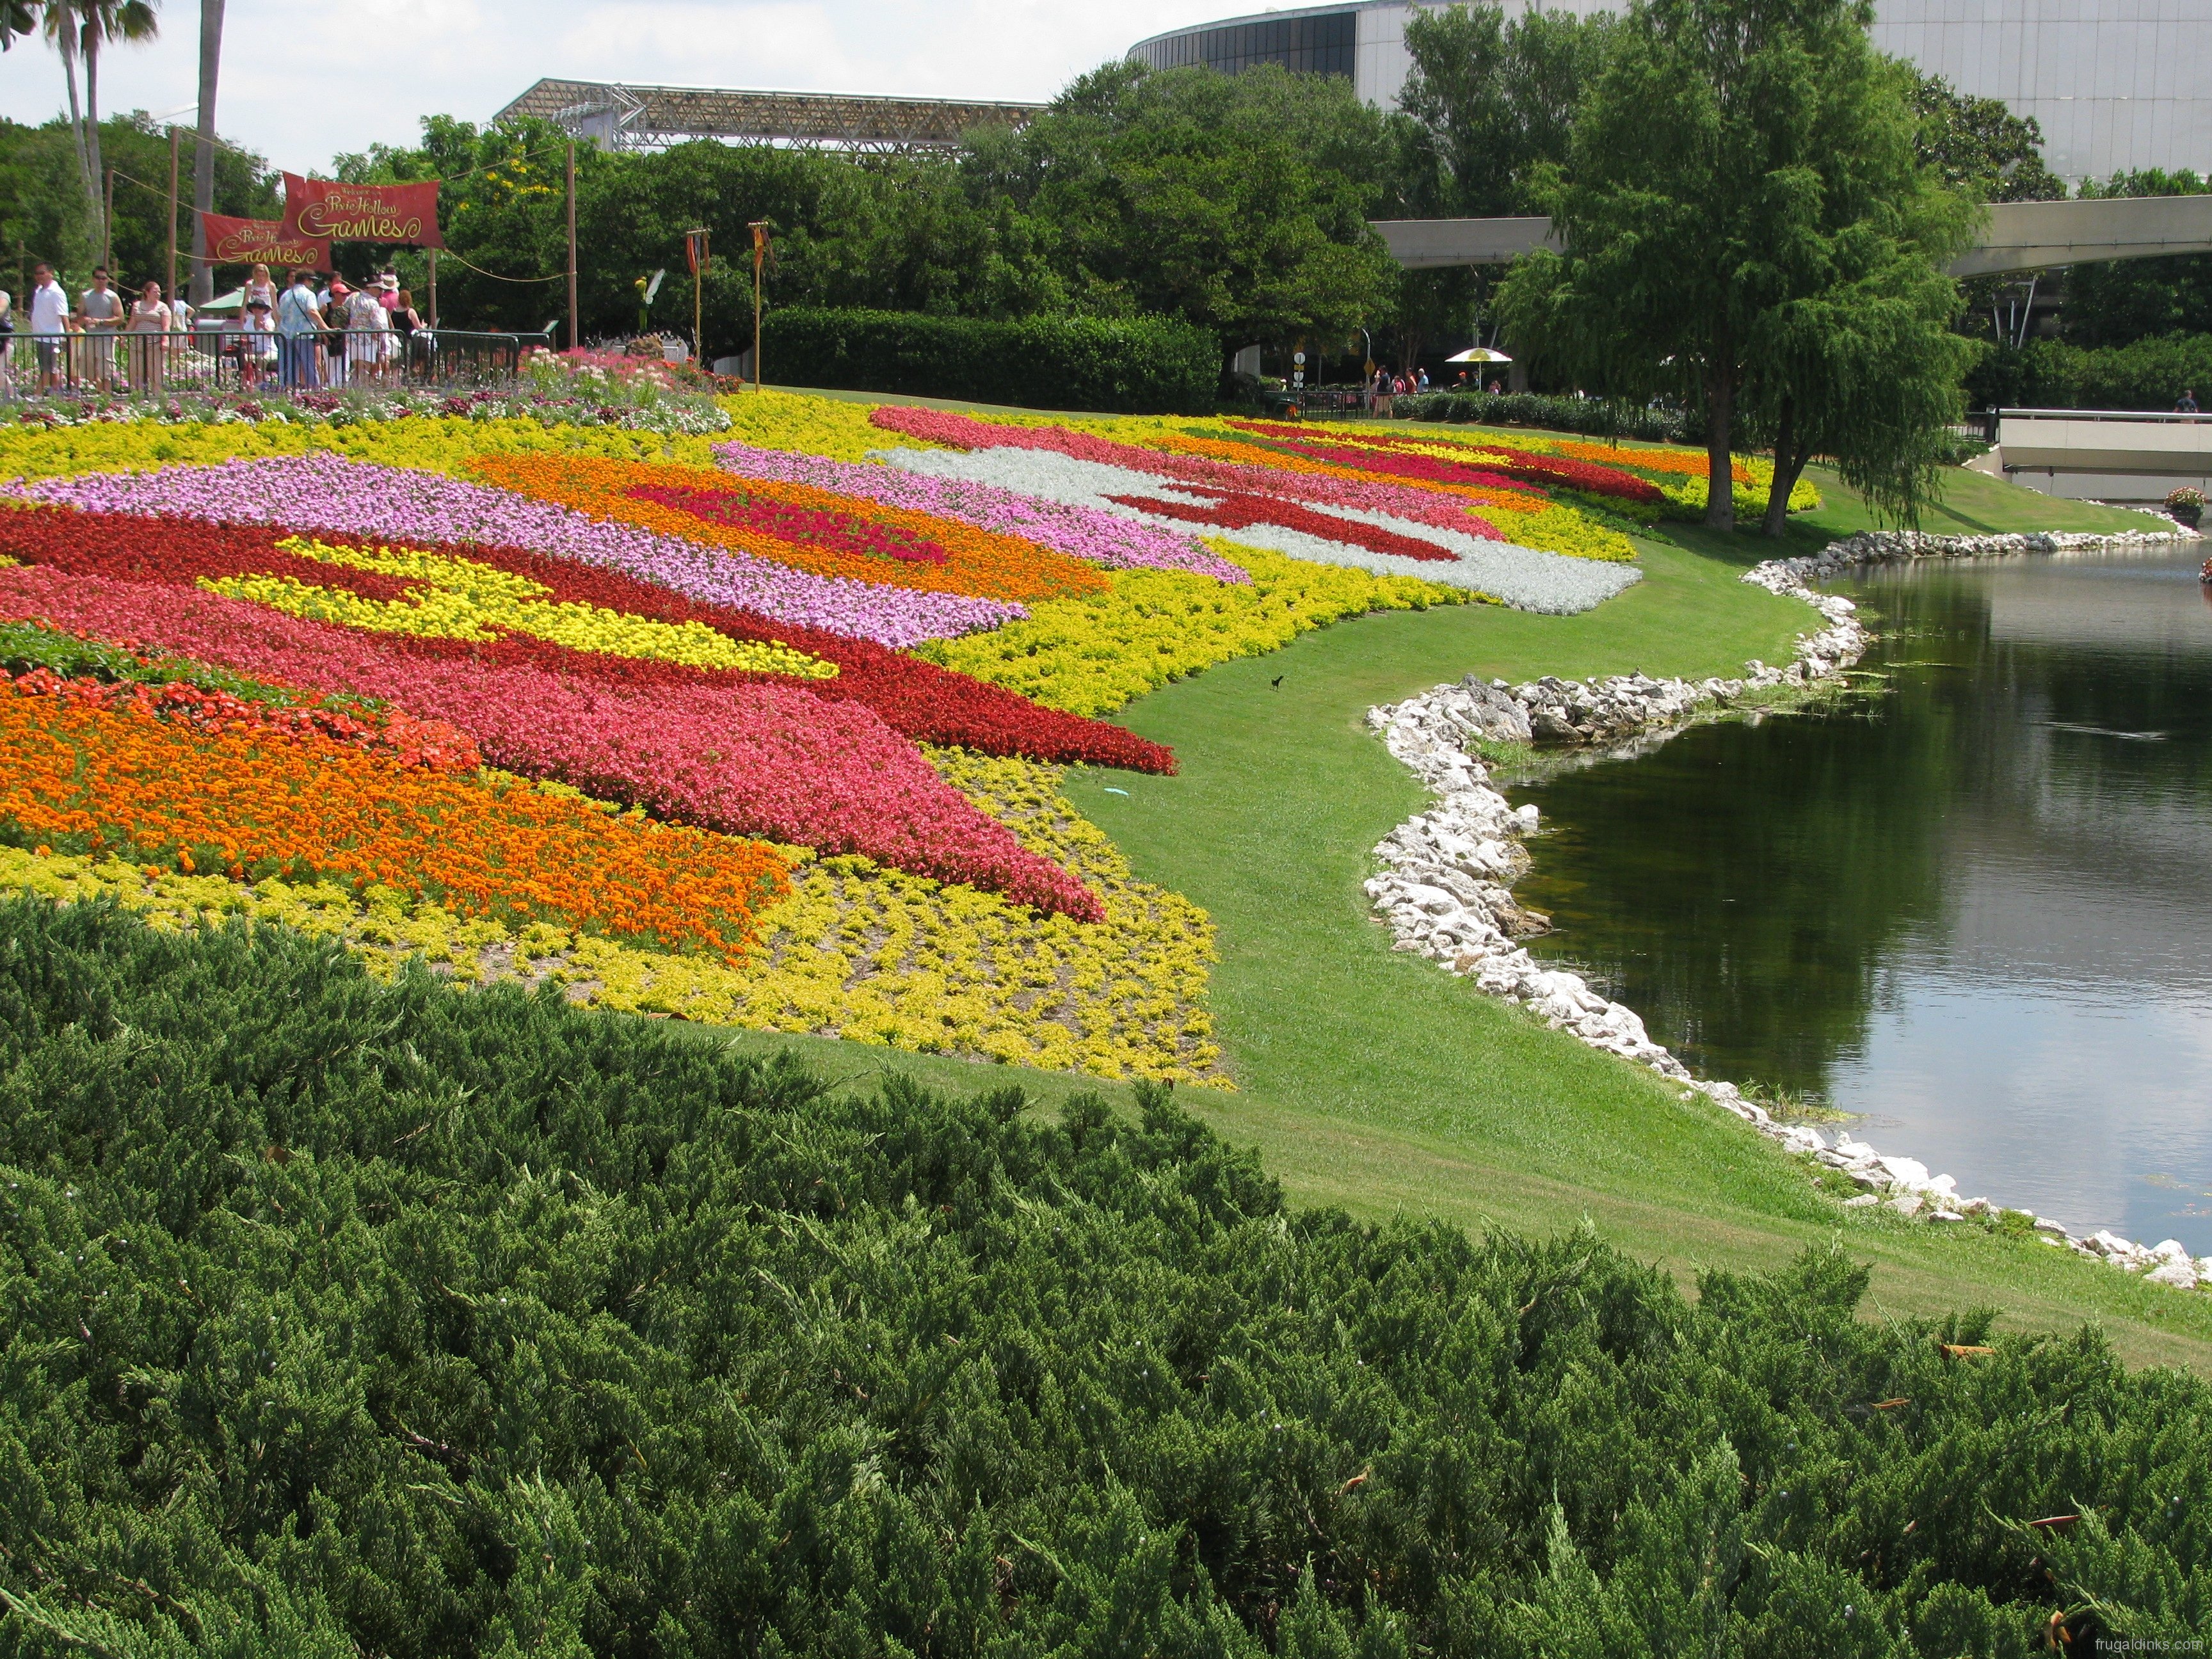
(317, 208)
(261, 242)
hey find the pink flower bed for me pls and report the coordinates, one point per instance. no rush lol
(357, 498)
(1083, 532)
(759, 759)
(1400, 501)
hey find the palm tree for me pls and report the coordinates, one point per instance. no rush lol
(61, 27)
(204, 152)
(128, 21)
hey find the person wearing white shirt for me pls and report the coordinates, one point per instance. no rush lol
(298, 318)
(49, 315)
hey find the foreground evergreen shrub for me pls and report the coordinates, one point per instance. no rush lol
(347, 1318)
(1122, 364)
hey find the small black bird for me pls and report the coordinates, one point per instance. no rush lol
(1277, 680)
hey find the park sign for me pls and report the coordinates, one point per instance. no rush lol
(261, 242)
(320, 209)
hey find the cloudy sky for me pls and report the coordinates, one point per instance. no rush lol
(302, 82)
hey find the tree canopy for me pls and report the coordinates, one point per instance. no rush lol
(1742, 184)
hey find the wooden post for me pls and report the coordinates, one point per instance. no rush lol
(107, 231)
(575, 344)
(170, 293)
(699, 297)
(433, 287)
(759, 228)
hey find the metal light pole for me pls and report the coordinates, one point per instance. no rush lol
(171, 292)
(575, 344)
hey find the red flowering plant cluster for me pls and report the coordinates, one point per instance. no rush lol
(433, 746)
(1234, 510)
(759, 756)
(918, 699)
(846, 532)
(1376, 453)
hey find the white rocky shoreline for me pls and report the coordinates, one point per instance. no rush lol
(1445, 888)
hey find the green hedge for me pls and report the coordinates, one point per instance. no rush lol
(1139, 366)
(1599, 417)
(341, 1317)
(2053, 374)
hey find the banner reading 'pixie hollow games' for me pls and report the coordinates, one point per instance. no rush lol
(402, 214)
(261, 242)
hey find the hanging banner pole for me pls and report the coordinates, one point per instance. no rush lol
(695, 255)
(107, 229)
(170, 292)
(574, 343)
(759, 228)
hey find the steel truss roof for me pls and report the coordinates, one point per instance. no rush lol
(623, 117)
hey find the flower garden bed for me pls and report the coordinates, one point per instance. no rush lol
(773, 700)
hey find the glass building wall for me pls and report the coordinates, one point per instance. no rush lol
(1314, 45)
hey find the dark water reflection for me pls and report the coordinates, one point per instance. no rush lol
(1975, 908)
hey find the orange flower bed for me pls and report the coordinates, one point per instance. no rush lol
(256, 805)
(920, 549)
(1687, 464)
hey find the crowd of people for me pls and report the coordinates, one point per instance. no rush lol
(303, 335)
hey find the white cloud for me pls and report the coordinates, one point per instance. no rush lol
(300, 92)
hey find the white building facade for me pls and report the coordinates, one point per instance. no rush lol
(2113, 83)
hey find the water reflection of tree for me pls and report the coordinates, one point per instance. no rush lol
(1743, 887)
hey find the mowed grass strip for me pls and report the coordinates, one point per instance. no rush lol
(1372, 1078)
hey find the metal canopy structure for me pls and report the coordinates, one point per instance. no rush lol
(618, 116)
(2020, 236)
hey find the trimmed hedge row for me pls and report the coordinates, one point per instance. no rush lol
(1596, 417)
(1133, 365)
(341, 1317)
(2053, 374)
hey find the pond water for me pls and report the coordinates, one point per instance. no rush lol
(1972, 906)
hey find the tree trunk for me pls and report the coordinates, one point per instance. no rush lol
(1720, 469)
(1787, 464)
(204, 152)
(65, 40)
(92, 128)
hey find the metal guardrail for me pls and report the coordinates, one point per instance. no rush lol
(109, 362)
(2169, 416)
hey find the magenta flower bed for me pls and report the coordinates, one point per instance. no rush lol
(1081, 533)
(755, 760)
(328, 492)
(1400, 501)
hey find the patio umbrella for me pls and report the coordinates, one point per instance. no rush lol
(1478, 354)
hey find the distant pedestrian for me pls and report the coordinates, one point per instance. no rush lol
(7, 339)
(99, 316)
(2187, 403)
(50, 324)
(298, 320)
(1425, 379)
(1495, 387)
(149, 316)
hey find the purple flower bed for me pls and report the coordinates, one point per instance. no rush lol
(357, 498)
(1083, 532)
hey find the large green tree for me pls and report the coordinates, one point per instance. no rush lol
(1238, 202)
(1489, 97)
(1738, 174)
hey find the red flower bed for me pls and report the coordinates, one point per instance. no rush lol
(845, 532)
(925, 703)
(763, 759)
(1495, 466)
(1233, 511)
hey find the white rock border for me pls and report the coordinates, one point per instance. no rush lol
(1445, 887)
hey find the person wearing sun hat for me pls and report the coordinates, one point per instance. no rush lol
(336, 299)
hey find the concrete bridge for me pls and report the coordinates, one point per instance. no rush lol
(2106, 455)
(2018, 236)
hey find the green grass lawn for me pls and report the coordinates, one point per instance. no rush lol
(1372, 1079)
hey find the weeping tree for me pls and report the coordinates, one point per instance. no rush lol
(1742, 180)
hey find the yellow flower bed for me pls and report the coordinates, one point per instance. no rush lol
(1090, 655)
(857, 952)
(813, 426)
(440, 444)
(463, 600)
(1691, 494)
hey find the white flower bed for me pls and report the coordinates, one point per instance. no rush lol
(1522, 577)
